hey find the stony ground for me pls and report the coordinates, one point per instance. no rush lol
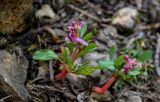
(122, 23)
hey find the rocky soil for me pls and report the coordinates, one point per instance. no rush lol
(27, 26)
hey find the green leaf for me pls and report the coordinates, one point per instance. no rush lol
(122, 75)
(109, 65)
(134, 72)
(65, 55)
(83, 30)
(71, 47)
(85, 64)
(87, 70)
(72, 67)
(112, 52)
(118, 63)
(88, 36)
(45, 55)
(145, 56)
(135, 53)
(91, 47)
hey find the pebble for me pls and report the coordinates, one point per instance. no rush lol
(126, 18)
(133, 96)
(57, 4)
(46, 14)
(78, 81)
(101, 97)
(94, 57)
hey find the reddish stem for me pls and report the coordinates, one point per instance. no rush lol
(65, 71)
(62, 74)
(101, 90)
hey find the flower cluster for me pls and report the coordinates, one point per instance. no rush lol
(130, 64)
(73, 36)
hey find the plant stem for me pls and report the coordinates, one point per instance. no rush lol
(101, 90)
(76, 53)
(62, 74)
(65, 71)
(51, 71)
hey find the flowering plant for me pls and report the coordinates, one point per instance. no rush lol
(79, 43)
(122, 68)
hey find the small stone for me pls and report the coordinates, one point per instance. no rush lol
(106, 38)
(57, 4)
(135, 99)
(13, 67)
(46, 14)
(126, 18)
(63, 14)
(101, 97)
(3, 42)
(107, 33)
(139, 3)
(78, 81)
(133, 96)
(109, 30)
(41, 72)
(82, 97)
(94, 57)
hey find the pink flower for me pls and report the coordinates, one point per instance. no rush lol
(73, 36)
(130, 64)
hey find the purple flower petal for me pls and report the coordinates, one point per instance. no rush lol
(67, 39)
(73, 23)
(126, 68)
(78, 40)
(70, 36)
(80, 25)
(130, 64)
(70, 27)
(73, 35)
(128, 60)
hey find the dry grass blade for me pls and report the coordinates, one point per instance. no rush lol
(157, 56)
(85, 13)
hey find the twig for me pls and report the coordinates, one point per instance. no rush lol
(150, 27)
(85, 13)
(75, 92)
(155, 86)
(157, 56)
(30, 32)
(51, 71)
(138, 87)
(36, 79)
(131, 41)
(51, 91)
(3, 99)
(120, 94)
(75, 55)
